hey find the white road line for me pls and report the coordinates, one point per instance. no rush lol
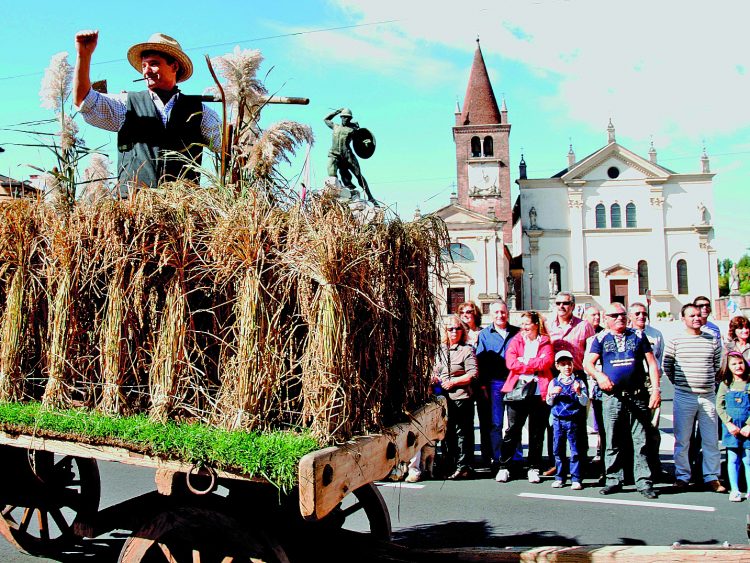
(672, 506)
(668, 417)
(400, 485)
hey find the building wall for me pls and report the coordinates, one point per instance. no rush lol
(671, 224)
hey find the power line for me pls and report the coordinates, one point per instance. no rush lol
(255, 39)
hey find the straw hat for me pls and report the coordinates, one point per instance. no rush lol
(163, 44)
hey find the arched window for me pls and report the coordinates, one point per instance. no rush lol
(488, 146)
(601, 217)
(630, 220)
(458, 253)
(594, 278)
(554, 269)
(682, 279)
(615, 218)
(476, 147)
(642, 277)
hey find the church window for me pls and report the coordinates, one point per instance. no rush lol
(630, 220)
(476, 147)
(682, 277)
(488, 146)
(594, 278)
(642, 277)
(613, 172)
(601, 217)
(458, 253)
(615, 217)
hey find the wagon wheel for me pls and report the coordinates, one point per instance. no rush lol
(53, 494)
(367, 502)
(200, 536)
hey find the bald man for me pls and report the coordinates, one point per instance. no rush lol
(626, 402)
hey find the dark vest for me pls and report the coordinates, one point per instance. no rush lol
(143, 140)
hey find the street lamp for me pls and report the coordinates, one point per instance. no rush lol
(531, 290)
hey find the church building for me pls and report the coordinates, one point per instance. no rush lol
(479, 215)
(615, 226)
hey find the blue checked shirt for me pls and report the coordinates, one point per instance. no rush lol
(107, 111)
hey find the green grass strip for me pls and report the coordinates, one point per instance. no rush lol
(270, 455)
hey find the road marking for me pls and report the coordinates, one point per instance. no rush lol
(669, 505)
(400, 485)
(668, 417)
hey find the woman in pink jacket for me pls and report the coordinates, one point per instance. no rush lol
(529, 358)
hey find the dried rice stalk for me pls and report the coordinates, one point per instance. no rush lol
(57, 393)
(111, 344)
(169, 352)
(11, 341)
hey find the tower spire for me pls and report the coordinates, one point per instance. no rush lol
(480, 105)
(610, 132)
(652, 152)
(571, 156)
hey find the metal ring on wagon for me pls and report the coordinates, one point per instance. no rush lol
(202, 471)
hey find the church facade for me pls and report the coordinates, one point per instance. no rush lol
(613, 226)
(616, 226)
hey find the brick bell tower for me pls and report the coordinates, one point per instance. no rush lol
(482, 152)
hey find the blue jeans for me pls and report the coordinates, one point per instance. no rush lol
(735, 458)
(567, 432)
(498, 417)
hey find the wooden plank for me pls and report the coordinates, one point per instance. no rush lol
(105, 453)
(326, 476)
(345, 543)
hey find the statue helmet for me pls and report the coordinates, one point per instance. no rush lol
(345, 112)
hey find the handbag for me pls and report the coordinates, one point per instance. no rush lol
(520, 392)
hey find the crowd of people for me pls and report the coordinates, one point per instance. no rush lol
(552, 375)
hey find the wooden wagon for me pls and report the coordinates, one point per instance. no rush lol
(50, 493)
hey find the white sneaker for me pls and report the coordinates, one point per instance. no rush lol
(502, 476)
(413, 476)
(557, 484)
(534, 476)
(735, 496)
(576, 486)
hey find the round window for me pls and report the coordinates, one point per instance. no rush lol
(613, 172)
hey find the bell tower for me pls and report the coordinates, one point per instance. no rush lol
(481, 135)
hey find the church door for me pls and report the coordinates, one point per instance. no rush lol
(456, 296)
(618, 291)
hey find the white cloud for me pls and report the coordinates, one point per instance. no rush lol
(657, 66)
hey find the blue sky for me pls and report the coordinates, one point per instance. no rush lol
(668, 71)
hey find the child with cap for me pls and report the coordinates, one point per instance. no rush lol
(568, 398)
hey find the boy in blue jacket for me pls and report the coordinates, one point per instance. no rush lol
(568, 398)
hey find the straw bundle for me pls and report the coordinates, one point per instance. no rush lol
(238, 311)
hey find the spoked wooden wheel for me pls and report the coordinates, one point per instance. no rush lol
(46, 497)
(363, 510)
(199, 536)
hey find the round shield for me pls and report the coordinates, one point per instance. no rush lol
(363, 142)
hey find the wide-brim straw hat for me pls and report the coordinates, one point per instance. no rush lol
(163, 44)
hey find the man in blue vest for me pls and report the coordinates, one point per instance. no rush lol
(159, 130)
(625, 399)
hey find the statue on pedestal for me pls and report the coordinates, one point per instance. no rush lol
(734, 280)
(553, 288)
(532, 218)
(341, 157)
(702, 214)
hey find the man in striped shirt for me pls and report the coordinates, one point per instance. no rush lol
(691, 362)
